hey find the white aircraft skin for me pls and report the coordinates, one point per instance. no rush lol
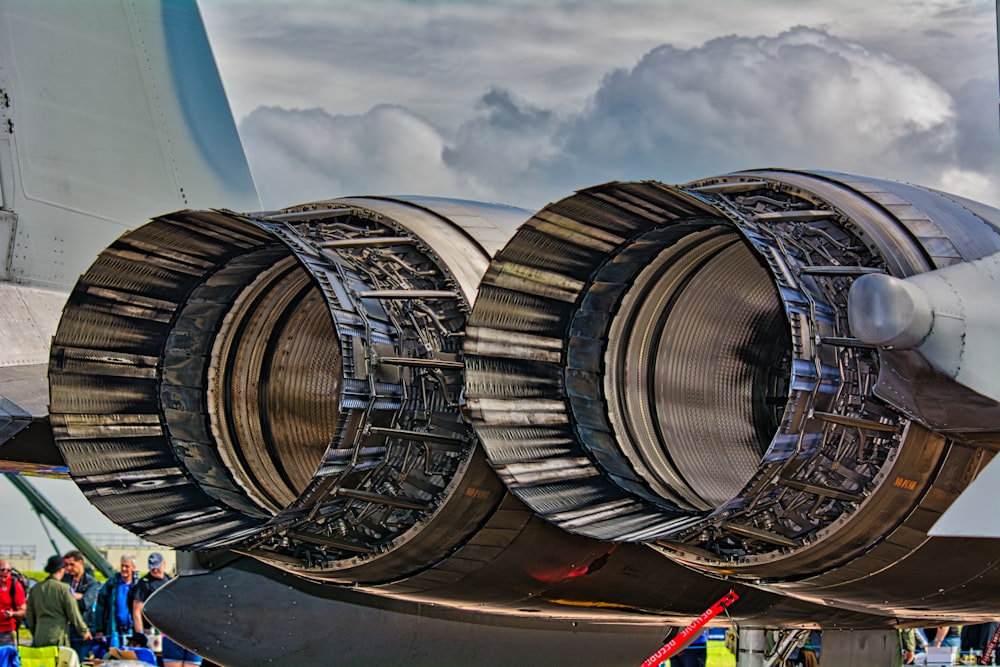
(113, 111)
(107, 113)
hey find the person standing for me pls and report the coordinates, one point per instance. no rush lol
(52, 609)
(907, 644)
(976, 636)
(84, 588)
(809, 653)
(173, 654)
(146, 586)
(112, 614)
(12, 604)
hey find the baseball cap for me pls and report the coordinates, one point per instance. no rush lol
(54, 564)
(155, 560)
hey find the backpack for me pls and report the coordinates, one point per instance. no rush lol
(17, 577)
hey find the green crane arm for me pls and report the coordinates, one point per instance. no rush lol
(44, 508)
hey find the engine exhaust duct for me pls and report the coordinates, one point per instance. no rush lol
(694, 381)
(285, 384)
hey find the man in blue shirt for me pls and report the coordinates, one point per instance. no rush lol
(113, 615)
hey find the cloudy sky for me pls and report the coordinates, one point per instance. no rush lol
(522, 102)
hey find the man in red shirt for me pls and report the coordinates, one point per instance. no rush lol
(12, 603)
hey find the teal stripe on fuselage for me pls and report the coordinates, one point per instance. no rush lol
(202, 98)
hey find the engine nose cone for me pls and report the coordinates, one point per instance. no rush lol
(889, 312)
(171, 607)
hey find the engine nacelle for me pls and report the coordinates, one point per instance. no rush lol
(680, 369)
(667, 366)
(284, 384)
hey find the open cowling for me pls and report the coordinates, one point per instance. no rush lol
(437, 401)
(286, 384)
(676, 366)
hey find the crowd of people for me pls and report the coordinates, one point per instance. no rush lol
(98, 621)
(105, 621)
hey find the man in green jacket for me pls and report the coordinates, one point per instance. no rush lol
(52, 608)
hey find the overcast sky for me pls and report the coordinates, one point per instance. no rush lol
(522, 102)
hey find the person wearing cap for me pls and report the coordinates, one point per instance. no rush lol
(145, 587)
(52, 609)
(173, 654)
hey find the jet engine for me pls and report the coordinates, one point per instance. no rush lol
(677, 366)
(289, 386)
(670, 366)
(288, 383)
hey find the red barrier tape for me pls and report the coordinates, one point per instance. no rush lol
(687, 635)
(984, 659)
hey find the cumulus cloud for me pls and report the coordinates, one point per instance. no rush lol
(978, 143)
(504, 143)
(801, 99)
(302, 155)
